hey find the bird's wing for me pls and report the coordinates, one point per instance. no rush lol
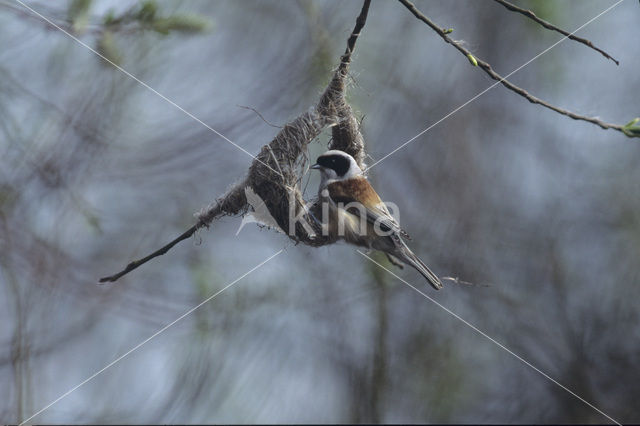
(358, 197)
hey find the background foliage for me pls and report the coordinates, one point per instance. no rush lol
(95, 170)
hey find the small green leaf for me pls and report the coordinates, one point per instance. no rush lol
(448, 31)
(147, 12)
(108, 48)
(473, 60)
(109, 17)
(633, 132)
(181, 23)
(79, 15)
(93, 221)
(630, 129)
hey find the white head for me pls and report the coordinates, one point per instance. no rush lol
(336, 165)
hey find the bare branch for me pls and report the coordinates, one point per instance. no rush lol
(529, 14)
(233, 202)
(486, 67)
(136, 263)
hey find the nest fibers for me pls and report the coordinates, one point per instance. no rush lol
(276, 172)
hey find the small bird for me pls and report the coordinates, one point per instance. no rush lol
(357, 215)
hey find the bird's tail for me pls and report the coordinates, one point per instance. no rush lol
(413, 260)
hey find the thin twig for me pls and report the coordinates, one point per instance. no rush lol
(136, 263)
(486, 67)
(260, 115)
(529, 14)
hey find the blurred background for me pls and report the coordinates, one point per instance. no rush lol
(539, 211)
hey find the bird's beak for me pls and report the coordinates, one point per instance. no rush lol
(316, 166)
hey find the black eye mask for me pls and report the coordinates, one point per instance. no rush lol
(338, 163)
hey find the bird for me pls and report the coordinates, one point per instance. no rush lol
(357, 215)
